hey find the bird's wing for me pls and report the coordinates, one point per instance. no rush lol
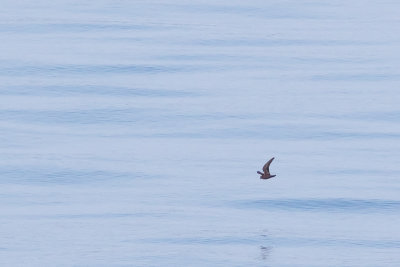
(266, 166)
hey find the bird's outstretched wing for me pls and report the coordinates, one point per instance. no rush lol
(266, 166)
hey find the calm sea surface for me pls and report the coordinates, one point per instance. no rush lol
(131, 133)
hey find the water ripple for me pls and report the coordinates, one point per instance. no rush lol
(66, 90)
(18, 175)
(334, 242)
(92, 69)
(77, 27)
(324, 205)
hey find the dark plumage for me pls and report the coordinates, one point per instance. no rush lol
(266, 174)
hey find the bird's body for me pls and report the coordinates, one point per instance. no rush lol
(266, 174)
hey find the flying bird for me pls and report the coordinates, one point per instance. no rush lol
(266, 174)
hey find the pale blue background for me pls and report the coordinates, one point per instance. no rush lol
(131, 133)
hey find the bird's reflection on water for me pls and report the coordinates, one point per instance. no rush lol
(265, 250)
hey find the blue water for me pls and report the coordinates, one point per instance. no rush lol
(131, 133)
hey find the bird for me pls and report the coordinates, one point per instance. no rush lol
(266, 174)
